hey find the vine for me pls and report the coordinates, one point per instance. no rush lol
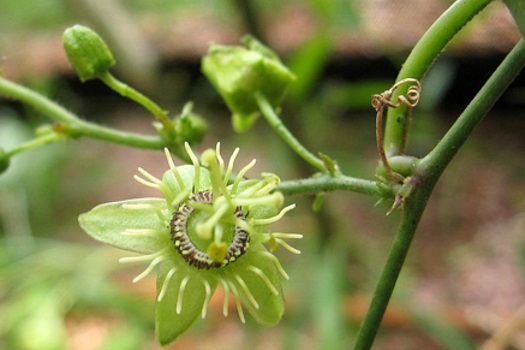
(210, 227)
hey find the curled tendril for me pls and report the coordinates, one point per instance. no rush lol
(411, 99)
(380, 101)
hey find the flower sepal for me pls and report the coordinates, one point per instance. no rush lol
(131, 225)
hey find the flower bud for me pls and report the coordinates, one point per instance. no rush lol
(87, 52)
(239, 72)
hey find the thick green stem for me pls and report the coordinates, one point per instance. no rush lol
(413, 211)
(327, 183)
(436, 161)
(427, 172)
(420, 59)
(276, 123)
(41, 103)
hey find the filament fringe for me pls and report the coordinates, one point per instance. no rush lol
(265, 279)
(231, 162)
(247, 291)
(207, 288)
(241, 174)
(277, 264)
(237, 298)
(174, 169)
(180, 297)
(286, 246)
(165, 284)
(225, 303)
(150, 268)
(137, 232)
(275, 218)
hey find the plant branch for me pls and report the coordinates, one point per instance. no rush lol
(414, 207)
(427, 172)
(129, 92)
(419, 61)
(437, 159)
(327, 183)
(36, 142)
(71, 125)
(276, 123)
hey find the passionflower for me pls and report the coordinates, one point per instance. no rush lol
(210, 229)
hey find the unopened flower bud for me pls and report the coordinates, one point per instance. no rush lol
(87, 52)
(238, 72)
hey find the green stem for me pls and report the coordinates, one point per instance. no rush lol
(74, 126)
(327, 183)
(420, 59)
(41, 103)
(95, 131)
(250, 20)
(34, 143)
(436, 161)
(413, 211)
(276, 123)
(129, 92)
(427, 172)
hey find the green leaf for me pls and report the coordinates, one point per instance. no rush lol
(168, 323)
(108, 221)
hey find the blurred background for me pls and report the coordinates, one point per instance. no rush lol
(464, 277)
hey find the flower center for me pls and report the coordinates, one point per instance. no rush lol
(200, 253)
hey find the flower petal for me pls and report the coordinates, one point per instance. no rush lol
(262, 287)
(175, 313)
(120, 224)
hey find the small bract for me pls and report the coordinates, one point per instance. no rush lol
(210, 229)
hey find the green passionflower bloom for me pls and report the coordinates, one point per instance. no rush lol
(210, 229)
